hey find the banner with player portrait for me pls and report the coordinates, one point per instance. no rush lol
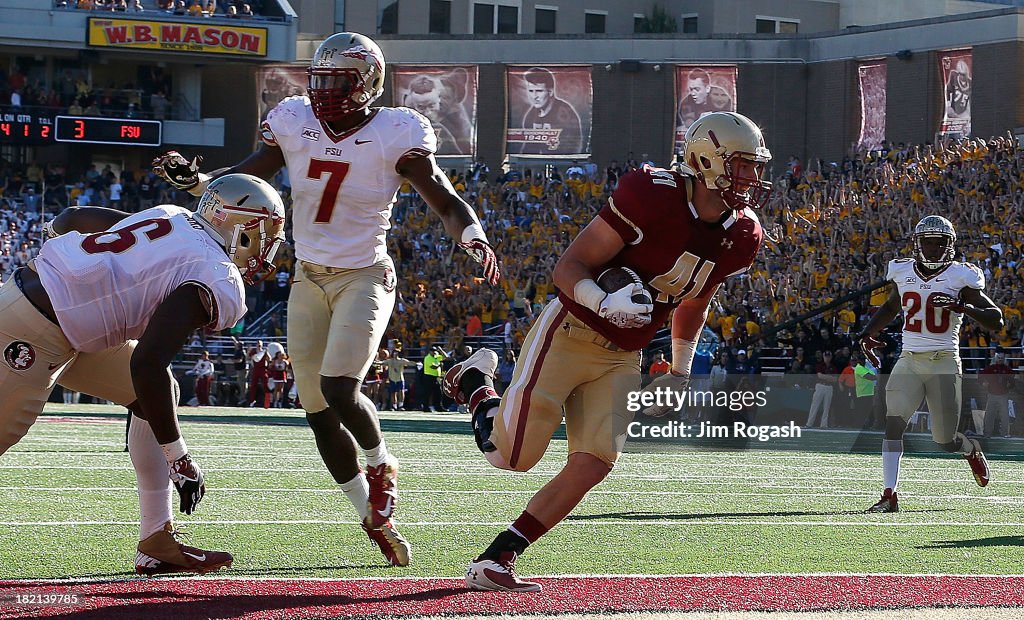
(275, 82)
(447, 96)
(701, 90)
(549, 111)
(873, 77)
(956, 67)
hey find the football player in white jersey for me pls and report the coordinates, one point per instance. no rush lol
(934, 292)
(105, 307)
(346, 162)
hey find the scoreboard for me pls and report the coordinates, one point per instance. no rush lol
(31, 128)
(25, 128)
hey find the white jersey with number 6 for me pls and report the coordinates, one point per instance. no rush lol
(105, 286)
(343, 186)
(927, 327)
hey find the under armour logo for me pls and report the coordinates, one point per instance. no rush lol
(727, 244)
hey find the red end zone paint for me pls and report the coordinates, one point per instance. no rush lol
(256, 599)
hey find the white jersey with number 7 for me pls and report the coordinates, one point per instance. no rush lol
(343, 186)
(927, 327)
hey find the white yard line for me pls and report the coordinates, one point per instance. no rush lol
(574, 522)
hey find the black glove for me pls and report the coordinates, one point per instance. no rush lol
(178, 171)
(188, 480)
(480, 251)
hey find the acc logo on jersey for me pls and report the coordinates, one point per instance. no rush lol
(310, 134)
(20, 355)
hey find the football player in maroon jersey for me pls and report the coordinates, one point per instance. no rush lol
(683, 233)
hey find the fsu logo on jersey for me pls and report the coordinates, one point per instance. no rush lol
(20, 355)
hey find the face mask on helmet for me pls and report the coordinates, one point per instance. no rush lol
(934, 242)
(744, 185)
(246, 216)
(346, 75)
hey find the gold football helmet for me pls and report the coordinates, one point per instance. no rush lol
(715, 144)
(245, 215)
(345, 76)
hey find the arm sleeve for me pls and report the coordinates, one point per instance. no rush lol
(415, 136)
(973, 277)
(623, 212)
(281, 121)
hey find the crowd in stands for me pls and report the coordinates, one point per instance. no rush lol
(831, 228)
(191, 8)
(72, 93)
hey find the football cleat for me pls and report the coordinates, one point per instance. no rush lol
(889, 503)
(979, 464)
(394, 546)
(498, 575)
(484, 360)
(162, 553)
(383, 495)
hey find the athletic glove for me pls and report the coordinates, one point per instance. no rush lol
(669, 381)
(178, 171)
(872, 348)
(620, 310)
(942, 300)
(188, 480)
(480, 251)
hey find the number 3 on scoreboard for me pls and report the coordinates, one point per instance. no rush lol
(336, 172)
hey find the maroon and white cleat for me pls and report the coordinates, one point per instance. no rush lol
(484, 360)
(979, 464)
(889, 502)
(383, 495)
(498, 575)
(394, 546)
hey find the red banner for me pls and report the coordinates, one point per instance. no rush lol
(549, 111)
(956, 67)
(701, 90)
(447, 96)
(873, 77)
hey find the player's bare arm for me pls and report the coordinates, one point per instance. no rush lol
(460, 221)
(186, 309)
(688, 320)
(976, 304)
(84, 220)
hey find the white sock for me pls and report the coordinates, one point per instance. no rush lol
(377, 456)
(151, 475)
(357, 490)
(892, 451)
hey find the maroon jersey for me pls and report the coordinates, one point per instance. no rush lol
(677, 255)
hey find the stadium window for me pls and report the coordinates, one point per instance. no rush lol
(689, 21)
(594, 23)
(483, 18)
(638, 22)
(440, 17)
(389, 18)
(776, 25)
(545, 19)
(508, 19)
(504, 20)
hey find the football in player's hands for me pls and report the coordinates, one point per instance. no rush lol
(178, 171)
(616, 278)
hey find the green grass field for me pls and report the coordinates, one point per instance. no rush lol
(68, 506)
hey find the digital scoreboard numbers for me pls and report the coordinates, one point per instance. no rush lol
(122, 131)
(25, 128)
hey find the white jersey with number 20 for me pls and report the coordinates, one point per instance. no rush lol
(927, 327)
(343, 186)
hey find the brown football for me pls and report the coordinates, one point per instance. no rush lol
(615, 278)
